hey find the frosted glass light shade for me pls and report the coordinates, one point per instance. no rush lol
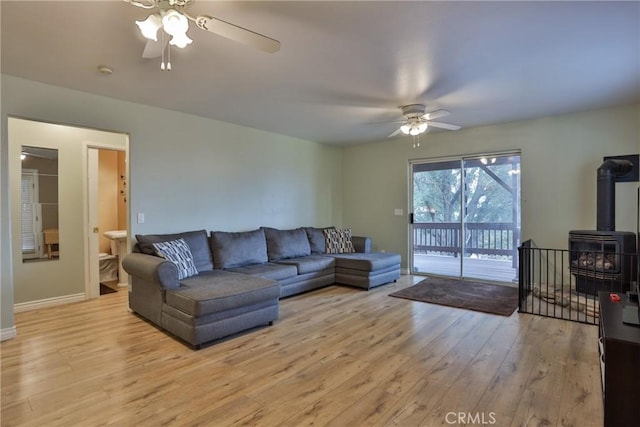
(175, 23)
(180, 40)
(405, 129)
(150, 26)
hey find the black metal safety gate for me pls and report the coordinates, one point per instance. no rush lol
(564, 284)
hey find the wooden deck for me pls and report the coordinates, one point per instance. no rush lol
(482, 269)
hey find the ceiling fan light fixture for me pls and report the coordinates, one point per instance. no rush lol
(406, 128)
(422, 127)
(415, 130)
(180, 40)
(175, 23)
(150, 26)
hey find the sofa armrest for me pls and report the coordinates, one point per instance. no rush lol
(361, 244)
(152, 269)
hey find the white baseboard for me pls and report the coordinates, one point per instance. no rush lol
(47, 302)
(8, 333)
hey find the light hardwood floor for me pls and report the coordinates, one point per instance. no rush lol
(337, 356)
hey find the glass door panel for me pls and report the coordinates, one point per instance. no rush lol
(436, 218)
(491, 221)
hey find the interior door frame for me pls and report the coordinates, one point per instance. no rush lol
(90, 182)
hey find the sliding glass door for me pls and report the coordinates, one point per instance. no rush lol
(466, 217)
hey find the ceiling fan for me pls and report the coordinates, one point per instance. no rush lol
(417, 121)
(172, 17)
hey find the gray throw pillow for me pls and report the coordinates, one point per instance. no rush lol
(282, 244)
(238, 249)
(338, 241)
(197, 241)
(178, 252)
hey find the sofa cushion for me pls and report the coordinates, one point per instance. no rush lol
(338, 241)
(197, 241)
(267, 271)
(372, 261)
(283, 244)
(238, 249)
(215, 291)
(311, 263)
(316, 240)
(178, 252)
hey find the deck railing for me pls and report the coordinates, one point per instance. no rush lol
(489, 238)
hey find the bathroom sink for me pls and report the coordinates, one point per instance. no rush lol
(116, 234)
(119, 248)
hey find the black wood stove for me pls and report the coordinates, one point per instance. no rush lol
(604, 259)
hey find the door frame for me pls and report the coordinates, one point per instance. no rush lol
(91, 247)
(460, 158)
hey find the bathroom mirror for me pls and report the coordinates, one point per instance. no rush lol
(39, 204)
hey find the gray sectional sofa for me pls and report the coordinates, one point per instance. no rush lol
(234, 280)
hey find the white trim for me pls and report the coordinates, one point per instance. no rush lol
(47, 302)
(405, 271)
(8, 333)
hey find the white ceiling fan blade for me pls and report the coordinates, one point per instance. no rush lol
(153, 49)
(239, 34)
(444, 125)
(436, 114)
(395, 133)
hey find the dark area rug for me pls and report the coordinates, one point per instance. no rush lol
(488, 298)
(106, 290)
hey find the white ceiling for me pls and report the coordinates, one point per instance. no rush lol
(343, 66)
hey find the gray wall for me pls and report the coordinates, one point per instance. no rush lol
(188, 172)
(560, 156)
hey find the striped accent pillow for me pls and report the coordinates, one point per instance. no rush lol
(179, 253)
(338, 241)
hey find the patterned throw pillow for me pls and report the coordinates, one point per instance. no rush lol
(178, 252)
(338, 241)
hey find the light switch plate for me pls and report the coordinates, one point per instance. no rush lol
(398, 212)
(140, 218)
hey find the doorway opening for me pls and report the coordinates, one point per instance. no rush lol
(107, 211)
(112, 216)
(465, 219)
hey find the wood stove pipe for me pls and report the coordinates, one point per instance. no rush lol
(606, 187)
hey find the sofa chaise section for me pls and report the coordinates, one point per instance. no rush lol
(367, 270)
(201, 308)
(199, 312)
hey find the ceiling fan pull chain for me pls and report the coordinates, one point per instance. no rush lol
(416, 141)
(162, 42)
(169, 57)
